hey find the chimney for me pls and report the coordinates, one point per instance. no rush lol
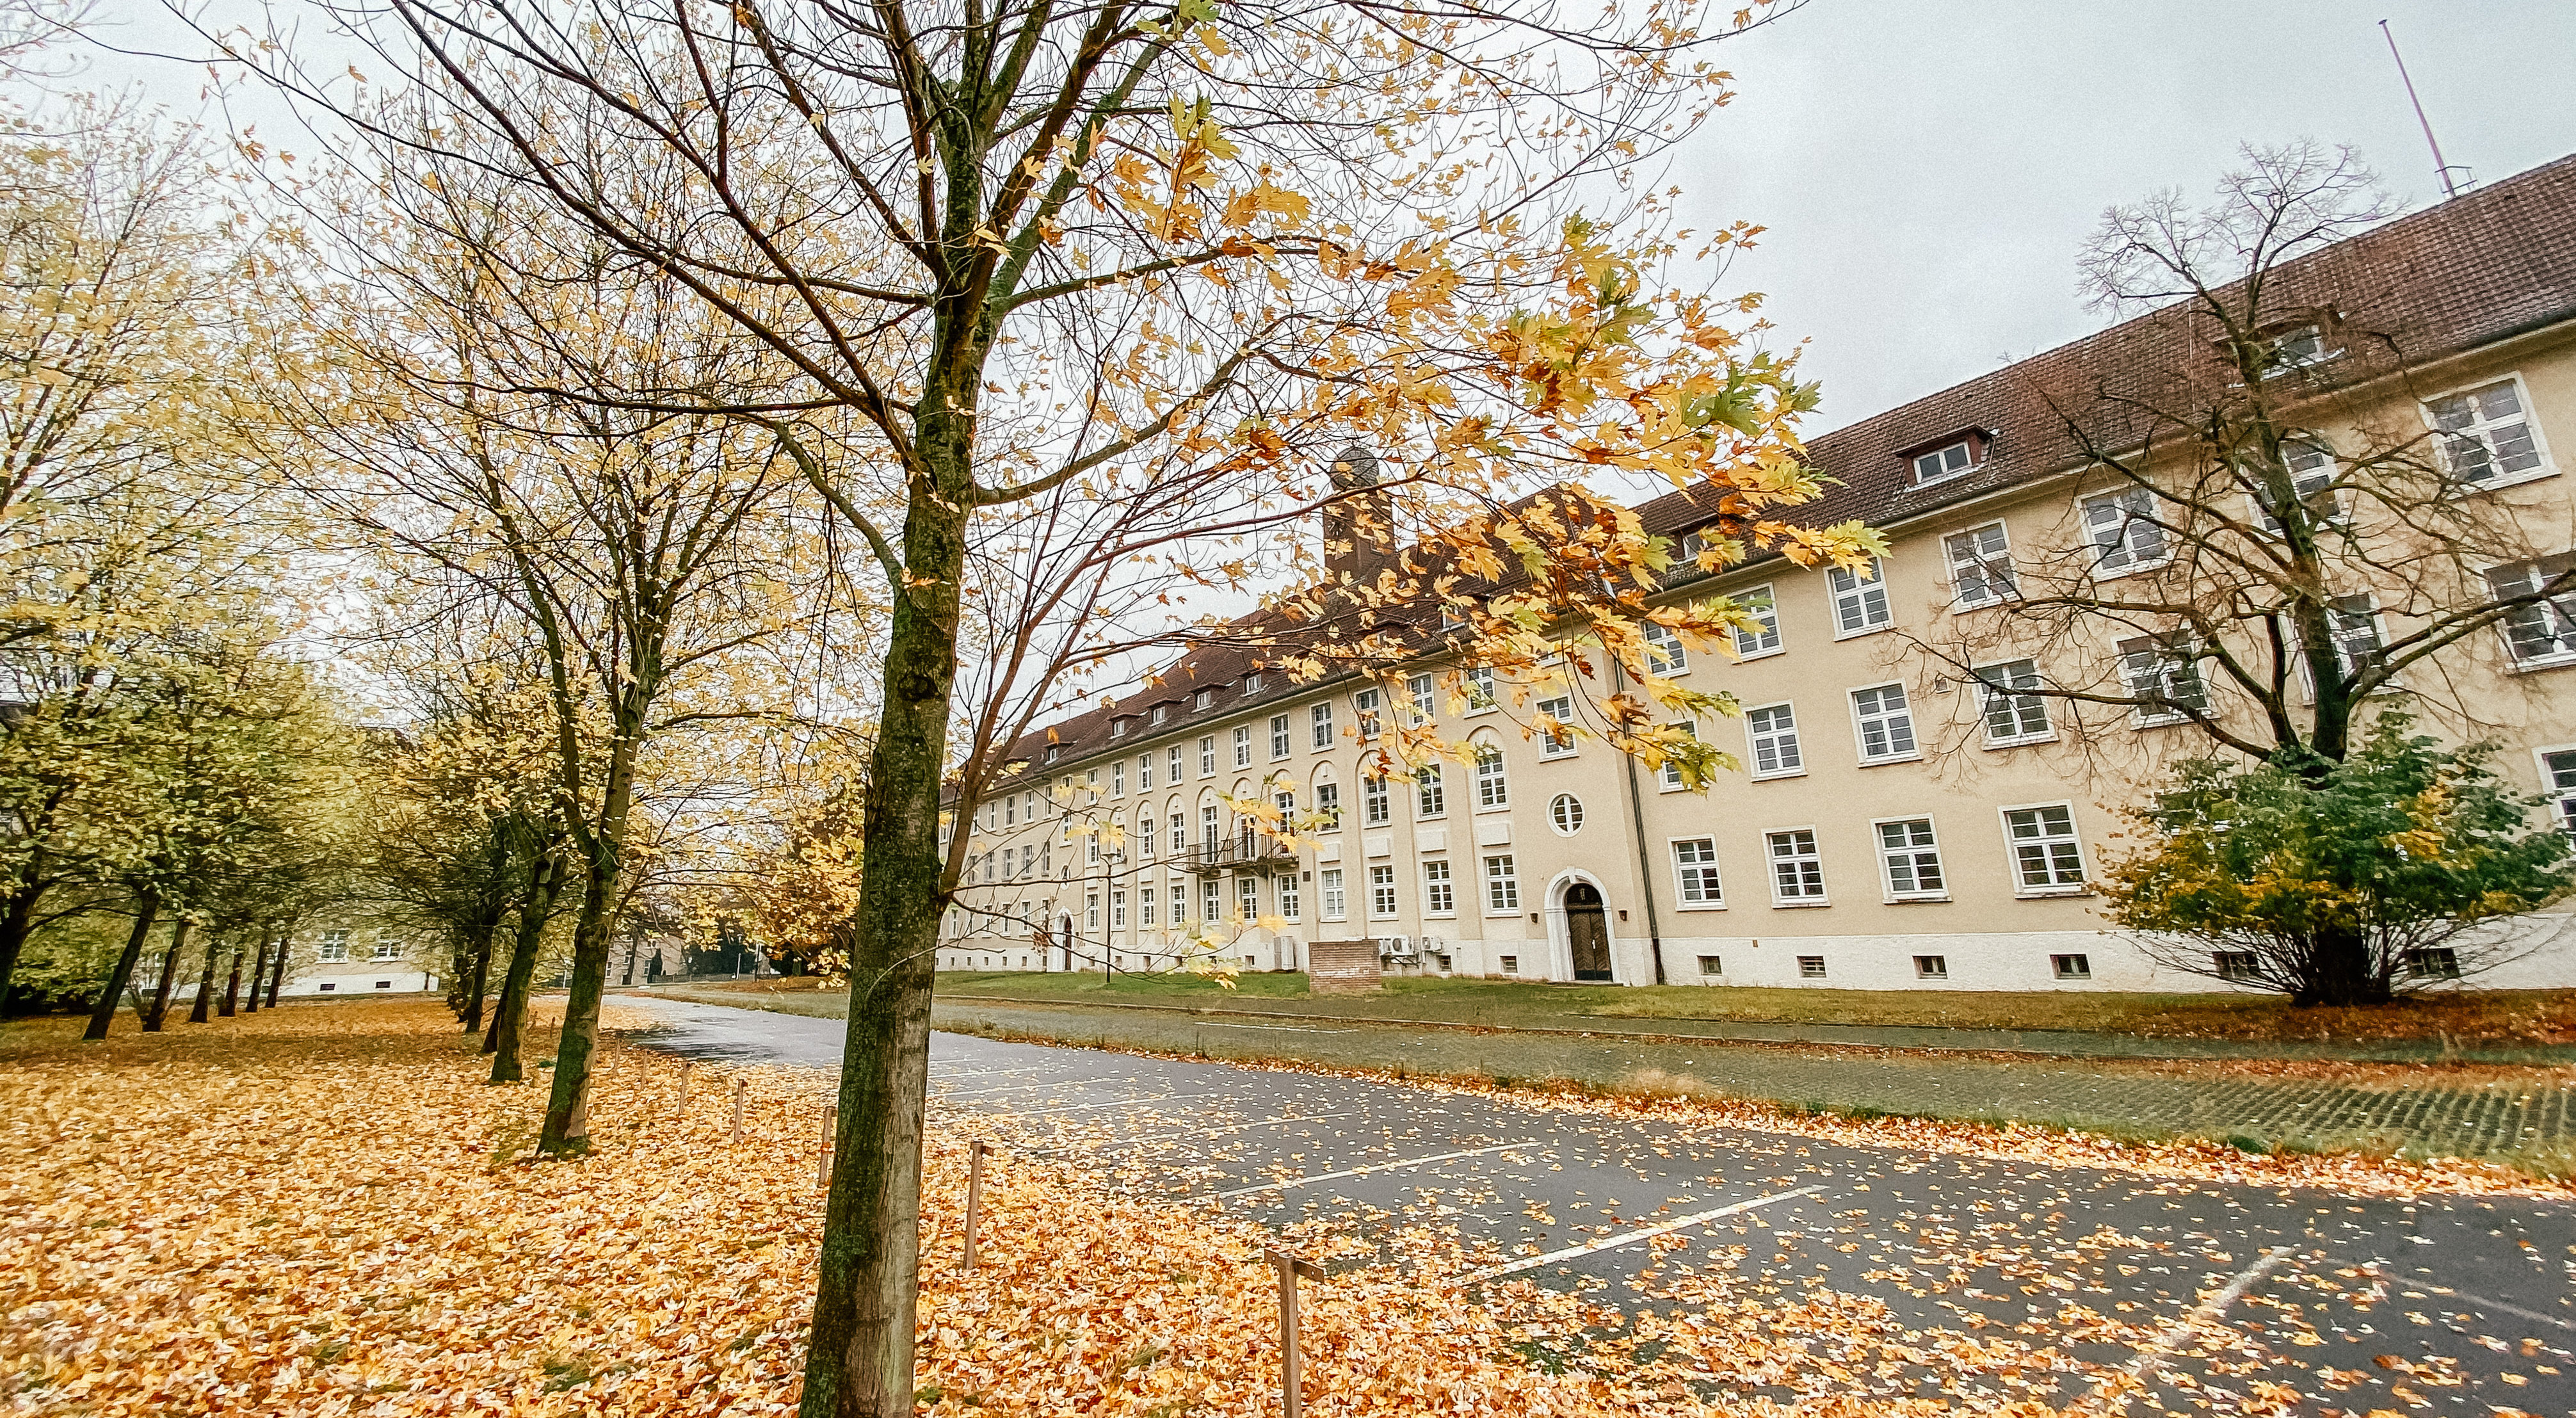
(1359, 537)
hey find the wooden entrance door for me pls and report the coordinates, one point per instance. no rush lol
(1587, 929)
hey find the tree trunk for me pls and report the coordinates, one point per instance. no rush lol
(258, 973)
(232, 986)
(202, 1008)
(277, 968)
(509, 1019)
(147, 911)
(158, 1012)
(479, 978)
(860, 1364)
(2340, 971)
(567, 1130)
(17, 920)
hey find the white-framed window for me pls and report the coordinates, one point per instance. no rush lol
(1439, 893)
(1885, 723)
(2539, 633)
(2013, 716)
(1377, 802)
(2161, 672)
(1763, 610)
(1180, 831)
(1947, 461)
(1364, 709)
(1431, 793)
(1090, 786)
(1172, 765)
(1932, 967)
(1381, 893)
(1511, 964)
(1664, 653)
(2558, 780)
(1247, 898)
(1091, 853)
(335, 947)
(1207, 825)
(1811, 967)
(1695, 879)
(1118, 728)
(1981, 567)
(1118, 779)
(1252, 683)
(1144, 905)
(1502, 886)
(2237, 964)
(1320, 726)
(1493, 790)
(1144, 772)
(1285, 799)
(1162, 712)
(1243, 745)
(1010, 811)
(2047, 857)
(1336, 903)
(1712, 965)
(2359, 637)
(1860, 598)
(1910, 859)
(2071, 967)
(1558, 742)
(1425, 691)
(2311, 465)
(1328, 807)
(1211, 901)
(1203, 698)
(1773, 733)
(2437, 962)
(1179, 895)
(1207, 757)
(1668, 774)
(1565, 814)
(2487, 434)
(1091, 910)
(1797, 868)
(1480, 688)
(1289, 905)
(2123, 531)
(1278, 736)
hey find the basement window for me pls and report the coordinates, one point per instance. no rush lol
(2071, 967)
(1932, 967)
(1712, 965)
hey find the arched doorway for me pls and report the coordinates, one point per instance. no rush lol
(1587, 932)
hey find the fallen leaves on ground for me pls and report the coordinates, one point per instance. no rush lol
(320, 1210)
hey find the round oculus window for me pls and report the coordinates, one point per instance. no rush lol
(1565, 813)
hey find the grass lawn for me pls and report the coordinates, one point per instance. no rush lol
(2466, 1017)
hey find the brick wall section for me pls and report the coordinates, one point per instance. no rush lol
(1342, 967)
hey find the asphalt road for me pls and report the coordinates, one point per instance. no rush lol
(2222, 1299)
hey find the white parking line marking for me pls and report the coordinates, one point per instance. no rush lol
(2206, 1312)
(1005, 1088)
(1282, 1028)
(1630, 1238)
(1372, 1167)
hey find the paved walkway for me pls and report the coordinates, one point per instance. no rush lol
(2530, 1119)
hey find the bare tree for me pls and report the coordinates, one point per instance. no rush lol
(2267, 535)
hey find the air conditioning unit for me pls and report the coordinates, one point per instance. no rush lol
(1395, 945)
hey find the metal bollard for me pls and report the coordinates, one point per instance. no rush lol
(974, 1196)
(831, 1138)
(741, 1087)
(1292, 1397)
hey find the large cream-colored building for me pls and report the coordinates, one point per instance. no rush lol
(1900, 822)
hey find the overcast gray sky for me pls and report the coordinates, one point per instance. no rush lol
(1927, 168)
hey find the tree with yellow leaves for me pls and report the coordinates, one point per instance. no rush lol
(1068, 306)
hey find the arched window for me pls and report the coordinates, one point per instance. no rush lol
(1492, 790)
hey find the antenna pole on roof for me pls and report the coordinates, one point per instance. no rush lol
(2441, 169)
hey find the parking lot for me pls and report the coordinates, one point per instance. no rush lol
(2211, 1298)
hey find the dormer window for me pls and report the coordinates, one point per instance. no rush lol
(1947, 461)
(1161, 712)
(1118, 728)
(2298, 345)
(1052, 751)
(1206, 697)
(1252, 683)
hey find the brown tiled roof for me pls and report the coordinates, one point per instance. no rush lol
(2467, 273)
(2472, 271)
